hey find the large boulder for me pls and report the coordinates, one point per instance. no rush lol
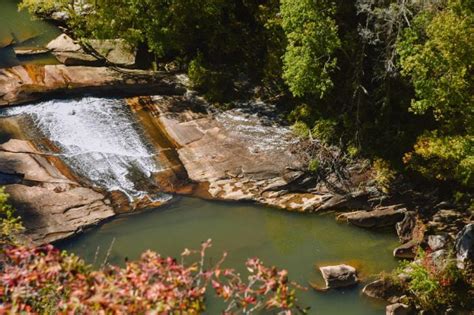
(115, 51)
(70, 53)
(465, 245)
(339, 276)
(382, 217)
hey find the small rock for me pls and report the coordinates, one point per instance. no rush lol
(398, 309)
(407, 250)
(465, 245)
(436, 242)
(339, 276)
(60, 16)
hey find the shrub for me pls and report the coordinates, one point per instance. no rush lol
(384, 174)
(45, 280)
(10, 225)
(437, 285)
(444, 158)
(324, 130)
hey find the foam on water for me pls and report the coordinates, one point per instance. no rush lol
(99, 139)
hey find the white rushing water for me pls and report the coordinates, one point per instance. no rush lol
(99, 139)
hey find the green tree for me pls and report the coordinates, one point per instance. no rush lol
(312, 39)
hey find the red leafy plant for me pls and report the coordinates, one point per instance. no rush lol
(46, 280)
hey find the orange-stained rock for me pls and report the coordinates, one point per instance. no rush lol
(23, 84)
(51, 205)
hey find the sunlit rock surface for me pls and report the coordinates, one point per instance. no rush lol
(51, 205)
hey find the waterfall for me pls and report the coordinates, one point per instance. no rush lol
(99, 139)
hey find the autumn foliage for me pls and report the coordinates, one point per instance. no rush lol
(46, 280)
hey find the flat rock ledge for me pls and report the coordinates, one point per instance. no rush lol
(28, 83)
(52, 206)
(238, 155)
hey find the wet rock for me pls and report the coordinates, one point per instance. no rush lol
(115, 51)
(383, 289)
(407, 250)
(398, 309)
(339, 276)
(436, 242)
(406, 226)
(464, 245)
(381, 217)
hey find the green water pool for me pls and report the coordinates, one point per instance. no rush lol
(25, 31)
(293, 241)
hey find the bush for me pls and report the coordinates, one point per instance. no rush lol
(45, 280)
(324, 130)
(10, 225)
(444, 158)
(384, 174)
(437, 285)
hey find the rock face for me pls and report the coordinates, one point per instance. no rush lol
(22, 84)
(51, 205)
(465, 245)
(381, 217)
(237, 154)
(339, 276)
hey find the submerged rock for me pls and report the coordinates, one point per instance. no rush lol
(339, 276)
